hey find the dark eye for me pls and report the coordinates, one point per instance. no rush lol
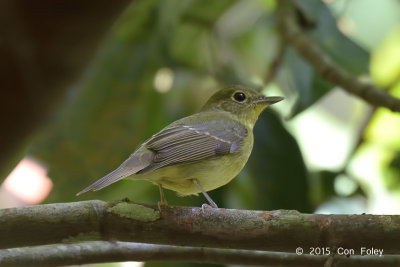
(239, 96)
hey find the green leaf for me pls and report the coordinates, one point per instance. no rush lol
(339, 47)
(321, 27)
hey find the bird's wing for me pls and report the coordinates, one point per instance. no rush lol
(178, 144)
(181, 144)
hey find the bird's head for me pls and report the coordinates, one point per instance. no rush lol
(247, 104)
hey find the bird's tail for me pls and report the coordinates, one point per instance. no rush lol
(130, 166)
(112, 177)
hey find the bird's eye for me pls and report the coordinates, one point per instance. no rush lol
(239, 96)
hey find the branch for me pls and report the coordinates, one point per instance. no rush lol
(101, 251)
(279, 230)
(333, 73)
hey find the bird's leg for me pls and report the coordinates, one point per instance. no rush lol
(212, 203)
(163, 201)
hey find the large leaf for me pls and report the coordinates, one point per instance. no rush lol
(345, 52)
(342, 50)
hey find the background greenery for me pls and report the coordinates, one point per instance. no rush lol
(322, 150)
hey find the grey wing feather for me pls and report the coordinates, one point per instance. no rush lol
(130, 166)
(189, 143)
(178, 145)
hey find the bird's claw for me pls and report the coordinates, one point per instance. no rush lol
(161, 204)
(206, 206)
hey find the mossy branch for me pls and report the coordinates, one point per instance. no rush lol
(279, 230)
(92, 231)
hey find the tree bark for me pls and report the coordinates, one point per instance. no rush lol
(279, 230)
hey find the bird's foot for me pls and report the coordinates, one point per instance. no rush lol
(161, 204)
(206, 206)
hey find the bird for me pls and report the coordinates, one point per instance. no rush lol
(200, 152)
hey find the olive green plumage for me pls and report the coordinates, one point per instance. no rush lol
(200, 152)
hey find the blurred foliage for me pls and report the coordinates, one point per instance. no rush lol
(383, 133)
(385, 63)
(115, 107)
(304, 79)
(322, 28)
(335, 44)
(205, 45)
(201, 46)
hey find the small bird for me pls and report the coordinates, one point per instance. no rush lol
(200, 152)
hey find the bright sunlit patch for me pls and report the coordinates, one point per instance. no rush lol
(117, 264)
(131, 264)
(163, 80)
(366, 166)
(28, 182)
(344, 186)
(343, 205)
(328, 130)
(323, 141)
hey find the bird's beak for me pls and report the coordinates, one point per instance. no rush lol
(269, 100)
